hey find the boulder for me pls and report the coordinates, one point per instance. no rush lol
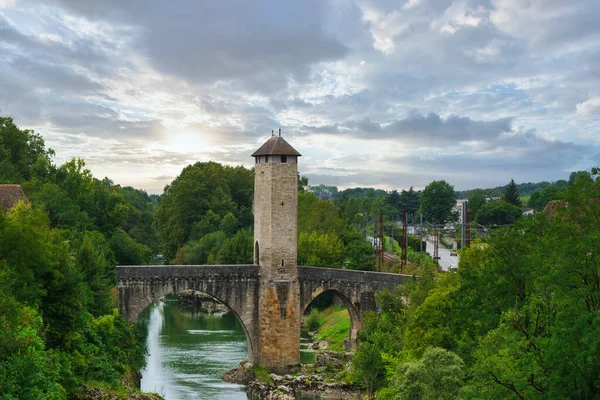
(241, 375)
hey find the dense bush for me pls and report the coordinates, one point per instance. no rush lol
(314, 320)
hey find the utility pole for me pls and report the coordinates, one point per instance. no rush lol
(404, 241)
(380, 263)
(436, 256)
(421, 233)
(392, 238)
(468, 230)
(463, 218)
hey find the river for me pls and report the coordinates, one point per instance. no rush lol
(188, 351)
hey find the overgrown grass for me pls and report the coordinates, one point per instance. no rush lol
(314, 320)
(336, 328)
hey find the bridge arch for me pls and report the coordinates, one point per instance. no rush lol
(355, 320)
(233, 286)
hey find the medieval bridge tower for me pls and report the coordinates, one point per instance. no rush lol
(269, 296)
(275, 210)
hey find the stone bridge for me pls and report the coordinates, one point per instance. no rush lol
(238, 287)
(270, 296)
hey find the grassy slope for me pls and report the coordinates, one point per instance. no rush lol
(336, 327)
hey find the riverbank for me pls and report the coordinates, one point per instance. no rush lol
(322, 380)
(127, 390)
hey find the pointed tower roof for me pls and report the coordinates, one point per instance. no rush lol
(276, 145)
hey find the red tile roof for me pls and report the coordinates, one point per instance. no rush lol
(10, 195)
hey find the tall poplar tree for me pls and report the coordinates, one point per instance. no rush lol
(511, 194)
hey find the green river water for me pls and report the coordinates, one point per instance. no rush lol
(188, 352)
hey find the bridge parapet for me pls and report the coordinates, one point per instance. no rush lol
(137, 272)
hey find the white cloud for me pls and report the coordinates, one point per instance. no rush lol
(7, 3)
(456, 17)
(590, 107)
(377, 92)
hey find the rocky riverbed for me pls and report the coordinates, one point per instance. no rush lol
(315, 381)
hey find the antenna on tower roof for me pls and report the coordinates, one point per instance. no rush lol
(272, 132)
(279, 131)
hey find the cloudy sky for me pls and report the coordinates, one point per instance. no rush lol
(378, 93)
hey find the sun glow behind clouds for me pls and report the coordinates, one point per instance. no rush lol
(188, 142)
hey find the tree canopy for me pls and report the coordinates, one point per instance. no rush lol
(519, 318)
(58, 325)
(437, 201)
(196, 202)
(511, 194)
(498, 212)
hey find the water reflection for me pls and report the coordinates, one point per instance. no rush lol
(189, 351)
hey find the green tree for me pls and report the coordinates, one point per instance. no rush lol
(438, 375)
(437, 200)
(541, 197)
(577, 176)
(201, 188)
(411, 199)
(237, 249)
(498, 212)
(394, 200)
(511, 194)
(368, 368)
(229, 224)
(320, 250)
(23, 154)
(126, 250)
(476, 201)
(26, 371)
(302, 183)
(324, 192)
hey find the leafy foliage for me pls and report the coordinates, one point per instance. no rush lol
(314, 320)
(518, 320)
(58, 326)
(439, 374)
(437, 201)
(197, 201)
(368, 368)
(498, 212)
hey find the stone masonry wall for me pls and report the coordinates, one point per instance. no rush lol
(275, 229)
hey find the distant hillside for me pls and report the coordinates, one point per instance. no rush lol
(525, 189)
(326, 192)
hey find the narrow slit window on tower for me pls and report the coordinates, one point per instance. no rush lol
(282, 263)
(284, 159)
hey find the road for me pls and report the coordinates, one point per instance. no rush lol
(446, 260)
